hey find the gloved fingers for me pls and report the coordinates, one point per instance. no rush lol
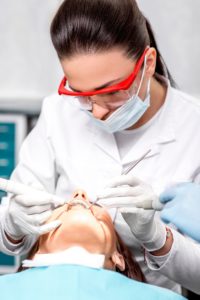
(27, 210)
(174, 191)
(38, 198)
(58, 201)
(131, 214)
(168, 215)
(170, 204)
(142, 198)
(166, 196)
(39, 230)
(23, 220)
(39, 219)
(124, 180)
(129, 210)
(170, 193)
(32, 210)
(33, 224)
(48, 227)
(132, 201)
(145, 200)
(117, 202)
(36, 186)
(123, 191)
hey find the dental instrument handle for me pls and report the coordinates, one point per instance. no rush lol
(154, 204)
(17, 188)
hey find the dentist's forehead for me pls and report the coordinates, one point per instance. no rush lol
(101, 67)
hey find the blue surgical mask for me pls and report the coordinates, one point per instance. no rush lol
(126, 115)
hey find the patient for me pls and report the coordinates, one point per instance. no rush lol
(87, 227)
(90, 227)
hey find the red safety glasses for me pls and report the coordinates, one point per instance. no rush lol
(123, 85)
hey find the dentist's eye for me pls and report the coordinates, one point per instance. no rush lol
(113, 93)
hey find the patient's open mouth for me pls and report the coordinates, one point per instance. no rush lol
(79, 202)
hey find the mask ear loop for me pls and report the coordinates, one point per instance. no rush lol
(143, 72)
(148, 87)
(116, 112)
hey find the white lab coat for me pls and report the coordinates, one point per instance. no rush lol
(66, 151)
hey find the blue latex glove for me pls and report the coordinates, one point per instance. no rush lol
(183, 208)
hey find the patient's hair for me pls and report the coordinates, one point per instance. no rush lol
(132, 269)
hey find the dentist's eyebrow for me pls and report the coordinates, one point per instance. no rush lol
(99, 87)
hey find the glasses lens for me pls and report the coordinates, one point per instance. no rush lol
(114, 100)
(111, 100)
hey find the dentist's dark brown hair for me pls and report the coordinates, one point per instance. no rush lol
(92, 26)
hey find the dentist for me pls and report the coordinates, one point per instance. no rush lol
(117, 101)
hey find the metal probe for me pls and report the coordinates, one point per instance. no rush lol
(128, 169)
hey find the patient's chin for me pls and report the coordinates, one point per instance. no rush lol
(79, 228)
(74, 234)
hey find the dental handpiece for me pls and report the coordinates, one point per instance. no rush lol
(154, 204)
(17, 188)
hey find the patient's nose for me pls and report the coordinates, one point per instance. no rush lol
(80, 194)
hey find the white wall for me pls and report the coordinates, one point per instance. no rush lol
(29, 68)
(176, 24)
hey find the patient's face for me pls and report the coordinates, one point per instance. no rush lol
(82, 225)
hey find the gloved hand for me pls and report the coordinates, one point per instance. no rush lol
(125, 192)
(27, 213)
(183, 208)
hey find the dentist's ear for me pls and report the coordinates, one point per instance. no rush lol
(151, 62)
(118, 260)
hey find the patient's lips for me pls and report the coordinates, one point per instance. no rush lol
(79, 198)
(78, 203)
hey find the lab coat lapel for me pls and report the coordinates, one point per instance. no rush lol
(105, 142)
(136, 153)
(162, 133)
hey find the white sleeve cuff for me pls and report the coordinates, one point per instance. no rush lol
(159, 238)
(157, 262)
(10, 248)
